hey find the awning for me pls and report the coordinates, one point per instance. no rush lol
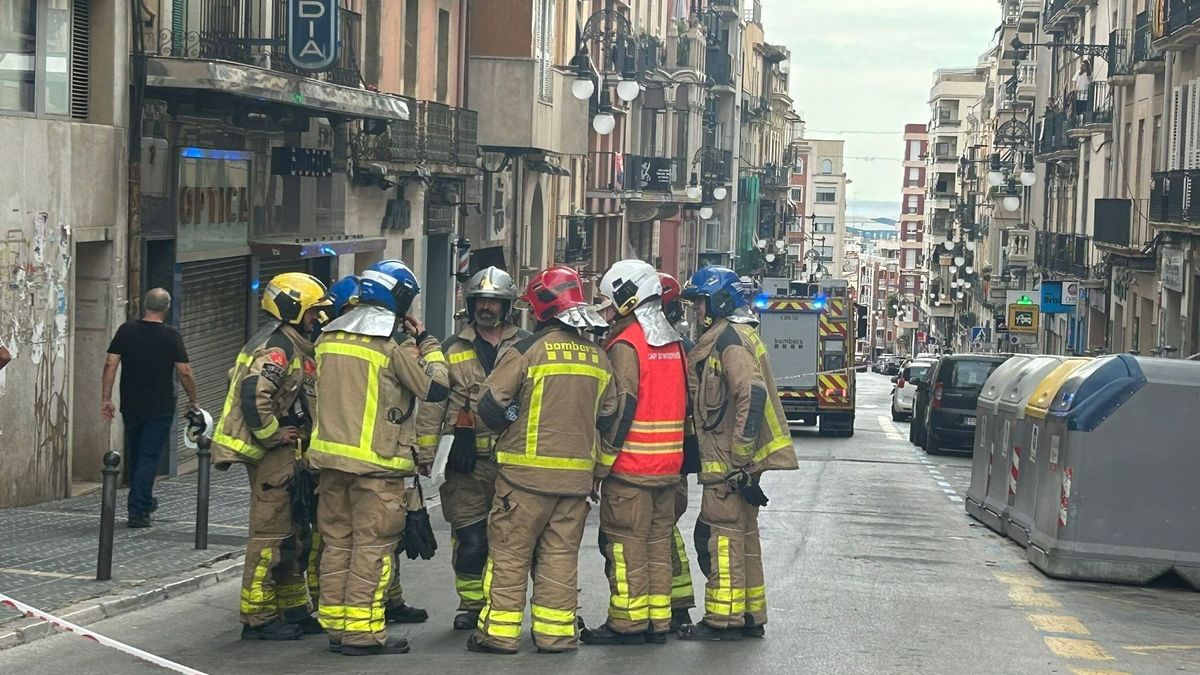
(276, 87)
(541, 166)
(315, 247)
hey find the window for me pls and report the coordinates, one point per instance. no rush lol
(799, 164)
(412, 27)
(914, 151)
(914, 177)
(794, 250)
(44, 48)
(826, 167)
(827, 195)
(826, 252)
(543, 39)
(910, 204)
(823, 224)
(443, 55)
(797, 194)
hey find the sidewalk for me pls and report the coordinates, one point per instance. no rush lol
(48, 551)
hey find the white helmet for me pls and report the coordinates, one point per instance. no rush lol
(199, 425)
(630, 283)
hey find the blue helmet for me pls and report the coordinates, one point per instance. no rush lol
(344, 294)
(389, 284)
(720, 287)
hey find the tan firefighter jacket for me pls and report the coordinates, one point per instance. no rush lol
(552, 402)
(738, 415)
(466, 376)
(370, 385)
(271, 386)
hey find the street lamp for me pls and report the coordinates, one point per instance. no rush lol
(706, 212)
(1011, 203)
(604, 122)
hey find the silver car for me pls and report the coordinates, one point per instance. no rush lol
(905, 388)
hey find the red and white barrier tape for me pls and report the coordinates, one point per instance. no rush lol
(823, 372)
(68, 627)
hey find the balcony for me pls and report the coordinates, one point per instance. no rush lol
(718, 66)
(1019, 246)
(776, 176)
(945, 117)
(1094, 114)
(222, 35)
(1120, 50)
(1055, 14)
(1018, 92)
(1053, 144)
(1180, 25)
(433, 134)
(1175, 198)
(1146, 57)
(1063, 254)
(728, 9)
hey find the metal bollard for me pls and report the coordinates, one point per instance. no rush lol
(203, 481)
(108, 514)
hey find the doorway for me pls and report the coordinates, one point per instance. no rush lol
(93, 322)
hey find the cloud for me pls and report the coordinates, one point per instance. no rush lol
(868, 65)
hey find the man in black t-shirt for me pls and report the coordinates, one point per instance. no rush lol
(149, 353)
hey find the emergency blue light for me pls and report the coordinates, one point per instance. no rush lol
(819, 302)
(254, 285)
(761, 300)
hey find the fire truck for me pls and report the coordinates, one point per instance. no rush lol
(810, 335)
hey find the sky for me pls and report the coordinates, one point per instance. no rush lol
(867, 65)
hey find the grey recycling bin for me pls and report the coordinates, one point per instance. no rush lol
(984, 448)
(1018, 518)
(1010, 438)
(1118, 503)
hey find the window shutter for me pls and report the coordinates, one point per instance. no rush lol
(1191, 159)
(81, 47)
(1177, 127)
(547, 48)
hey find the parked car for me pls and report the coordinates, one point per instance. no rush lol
(892, 367)
(905, 388)
(916, 430)
(881, 363)
(952, 392)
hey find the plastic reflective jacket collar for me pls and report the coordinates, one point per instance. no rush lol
(365, 320)
(658, 331)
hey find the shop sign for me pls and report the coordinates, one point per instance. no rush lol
(303, 162)
(212, 204)
(655, 174)
(312, 33)
(1172, 269)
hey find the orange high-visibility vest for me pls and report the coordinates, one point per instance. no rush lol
(654, 446)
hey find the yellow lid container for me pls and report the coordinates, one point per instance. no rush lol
(1047, 389)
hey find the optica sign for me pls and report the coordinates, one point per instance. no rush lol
(312, 37)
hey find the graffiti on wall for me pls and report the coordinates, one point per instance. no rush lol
(35, 267)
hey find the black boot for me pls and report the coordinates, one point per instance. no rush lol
(276, 629)
(752, 631)
(653, 638)
(474, 644)
(466, 620)
(705, 632)
(679, 619)
(404, 614)
(604, 635)
(310, 625)
(394, 645)
(335, 645)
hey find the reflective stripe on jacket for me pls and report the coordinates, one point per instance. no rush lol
(272, 371)
(551, 400)
(466, 376)
(739, 418)
(654, 380)
(369, 386)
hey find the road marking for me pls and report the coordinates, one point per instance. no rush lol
(1091, 671)
(1073, 648)
(956, 498)
(1017, 579)
(1025, 596)
(1145, 650)
(889, 429)
(1054, 623)
(943, 483)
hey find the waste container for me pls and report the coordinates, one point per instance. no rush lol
(1119, 502)
(1033, 464)
(1011, 437)
(984, 448)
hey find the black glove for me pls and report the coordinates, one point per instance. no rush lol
(753, 494)
(418, 535)
(691, 455)
(462, 451)
(736, 480)
(302, 491)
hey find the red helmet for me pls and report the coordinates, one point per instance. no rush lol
(554, 291)
(671, 288)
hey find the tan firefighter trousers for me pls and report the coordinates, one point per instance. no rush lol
(466, 500)
(730, 555)
(683, 596)
(360, 519)
(539, 533)
(273, 583)
(635, 537)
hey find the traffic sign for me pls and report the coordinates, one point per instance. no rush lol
(1000, 323)
(920, 337)
(1014, 339)
(1023, 318)
(978, 333)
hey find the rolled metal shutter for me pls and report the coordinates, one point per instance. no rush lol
(212, 319)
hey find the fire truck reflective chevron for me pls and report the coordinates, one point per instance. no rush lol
(834, 390)
(790, 305)
(831, 328)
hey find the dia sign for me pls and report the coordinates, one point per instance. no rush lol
(312, 36)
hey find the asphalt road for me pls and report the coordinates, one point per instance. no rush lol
(872, 567)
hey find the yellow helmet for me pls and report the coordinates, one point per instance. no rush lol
(290, 295)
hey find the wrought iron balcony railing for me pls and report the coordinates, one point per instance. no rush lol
(1097, 108)
(1181, 14)
(1143, 39)
(221, 33)
(1120, 50)
(433, 133)
(718, 66)
(1052, 134)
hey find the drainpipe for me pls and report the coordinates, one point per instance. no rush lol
(133, 239)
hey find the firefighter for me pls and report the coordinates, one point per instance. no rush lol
(264, 423)
(637, 499)
(551, 400)
(742, 432)
(470, 469)
(373, 363)
(683, 595)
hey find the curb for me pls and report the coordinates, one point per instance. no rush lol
(24, 631)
